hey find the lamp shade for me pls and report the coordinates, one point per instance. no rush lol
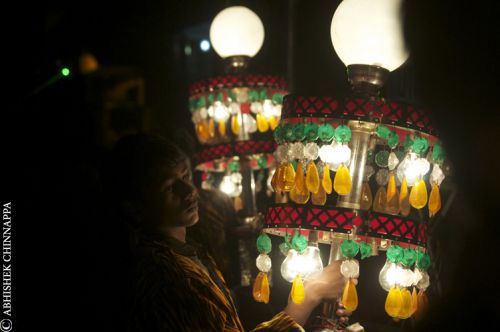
(237, 31)
(369, 32)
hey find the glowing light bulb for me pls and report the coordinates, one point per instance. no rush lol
(390, 275)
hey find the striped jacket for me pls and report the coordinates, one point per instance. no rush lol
(172, 289)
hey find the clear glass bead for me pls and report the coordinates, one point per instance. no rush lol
(382, 177)
(350, 268)
(311, 151)
(263, 263)
(297, 151)
(437, 175)
(393, 161)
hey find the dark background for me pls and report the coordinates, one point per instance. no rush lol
(52, 147)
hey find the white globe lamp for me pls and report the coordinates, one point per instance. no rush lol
(237, 34)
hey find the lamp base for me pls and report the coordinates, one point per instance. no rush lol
(367, 80)
(236, 64)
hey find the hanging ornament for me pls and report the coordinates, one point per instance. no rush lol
(380, 201)
(418, 194)
(366, 198)
(262, 124)
(404, 199)
(319, 198)
(236, 124)
(326, 182)
(261, 290)
(349, 269)
(312, 177)
(392, 205)
(434, 200)
(342, 183)
(407, 278)
(422, 282)
(299, 194)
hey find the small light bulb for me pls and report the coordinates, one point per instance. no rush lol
(205, 45)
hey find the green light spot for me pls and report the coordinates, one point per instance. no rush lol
(65, 71)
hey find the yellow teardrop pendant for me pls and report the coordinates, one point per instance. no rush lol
(299, 197)
(312, 177)
(273, 122)
(297, 293)
(257, 286)
(287, 177)
(222, 128)
(342, 183)
(319, 198)
(404, 201)
(326, 182)
(235, 124)
(264, 289)
(350, 296)
(211, 128)
(299, 194)
(201, 131)
(275, 181)
(262, 123)
(434, 200)
(405, 310)
(392, 205)
(366, 199)
(414, 301)
(380, 200)
(393, 302)
(418, 194)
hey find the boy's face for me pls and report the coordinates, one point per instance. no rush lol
(175, 202)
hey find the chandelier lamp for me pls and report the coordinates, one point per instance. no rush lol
(235, 114)
(333, 153)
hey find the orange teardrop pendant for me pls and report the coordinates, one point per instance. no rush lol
(257, 286)
(404, 199)
(201, 131)
(414, 301)
(299, 197)
(366, 198)
(380, 200)
(273, 122)
(405, 310)
(392, 205)
(275, 181)
(300, 179)
(319, 198)
(326, 182)
(235, 124)
(422, 304)
(418, 194)
(211, 128)
(312, 177)
(393, 302)
(262, 123)
(288, 177)
(222, 128)
(297, 293)
(350, 296)
(434, 200)
(264, 289)
(342, 183)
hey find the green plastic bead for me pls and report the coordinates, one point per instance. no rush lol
(263, 94)
(232, 95)
(299, 243)
(423, 261)
(299, 133)
(420, 145)
(288, 134)
(365, 249)
(202, 102)
(326, 132)
(394, 254)
(382, 131)
(278, 98)
(342, 134)
(400, 154)
(234, 166)
(210, 99)
(220, 97)
(409, 257)
(278, 135)
(408, 142)
(393, 140)
(253, 96)
(311, 132)
(264, 244)
(382, 158)
(262, 162)
(286, 245)
(437, 153)
(349, 248)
